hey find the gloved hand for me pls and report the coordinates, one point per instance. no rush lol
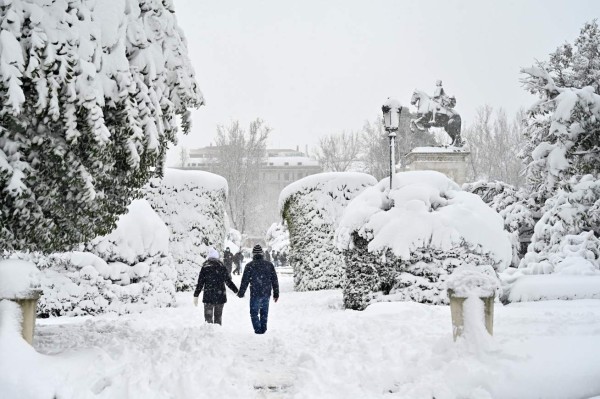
(239, 295)
(195, 301)
(275, 299)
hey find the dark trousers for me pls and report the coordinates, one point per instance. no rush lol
(259, 313)
(213, 312)
(237, 269)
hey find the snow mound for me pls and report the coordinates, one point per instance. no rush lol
(424, 209)
(545, 287)
(140, 233)
(18, 278)
(469, 280)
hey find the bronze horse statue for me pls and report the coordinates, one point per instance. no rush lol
(432, 114)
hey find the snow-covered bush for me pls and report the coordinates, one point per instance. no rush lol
(91, 94)
(234, 237)
(565, 216)
(401, 244)
(126, 271)
(278, 238)
(563, 132)
(515, 207)
(312, 207)
(192, 205)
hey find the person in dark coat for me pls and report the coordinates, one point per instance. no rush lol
(261, 276)
(228, 260)
(238, 258)
(268, 255)
(212, 279)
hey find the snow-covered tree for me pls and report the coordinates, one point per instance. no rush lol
(338, 152)
(402, 244)
(312, 207)
(493, 141)
(563, 134)
(192, 204)
(569, 212)
(578, 65)
(90, 97)
(241, 152)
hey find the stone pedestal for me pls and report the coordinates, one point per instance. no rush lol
(458, 320)
(28, 304)
(451, 161)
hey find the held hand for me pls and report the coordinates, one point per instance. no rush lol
(195, 301)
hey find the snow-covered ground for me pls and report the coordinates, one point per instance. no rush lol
(313, 349)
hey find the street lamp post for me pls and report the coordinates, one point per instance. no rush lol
(391, 121)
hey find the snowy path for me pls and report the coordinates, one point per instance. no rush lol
(315, 349)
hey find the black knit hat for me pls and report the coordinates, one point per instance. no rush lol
(257, 250)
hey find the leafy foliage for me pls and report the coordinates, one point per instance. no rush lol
(89, 102)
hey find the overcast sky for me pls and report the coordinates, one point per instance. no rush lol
(315, 67)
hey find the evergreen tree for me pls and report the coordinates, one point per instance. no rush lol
(562, 128)
(89, 102)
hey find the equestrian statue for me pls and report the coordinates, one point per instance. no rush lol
(437, 111)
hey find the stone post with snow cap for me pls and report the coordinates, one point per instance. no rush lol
(472, 290)
(19, 282)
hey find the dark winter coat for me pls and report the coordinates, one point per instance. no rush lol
(261, 276)
(228, 260)
(238, 258)
(212, 279)
(268, 256)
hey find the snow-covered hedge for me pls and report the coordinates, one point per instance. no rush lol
(126, 271)
(402, 244)
(312, 208)
(192, 204)
(570, 224)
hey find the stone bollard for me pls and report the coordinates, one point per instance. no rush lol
(28, 304)
(456, 311)
(19, 282)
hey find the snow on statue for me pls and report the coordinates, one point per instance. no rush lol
(90, 95)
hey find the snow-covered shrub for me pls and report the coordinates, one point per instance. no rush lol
(565, 216)
(515, 207)
(312, 207)
(91, 95)
(402, 244)
(126, 271)
(192, 205)
(278, 238)
(234, 237)
(563, 134)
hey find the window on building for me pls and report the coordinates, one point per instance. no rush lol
(299, 163)
(286, 163)
(286, 176)
(270, 163)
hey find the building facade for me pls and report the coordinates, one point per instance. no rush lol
(280, 167)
